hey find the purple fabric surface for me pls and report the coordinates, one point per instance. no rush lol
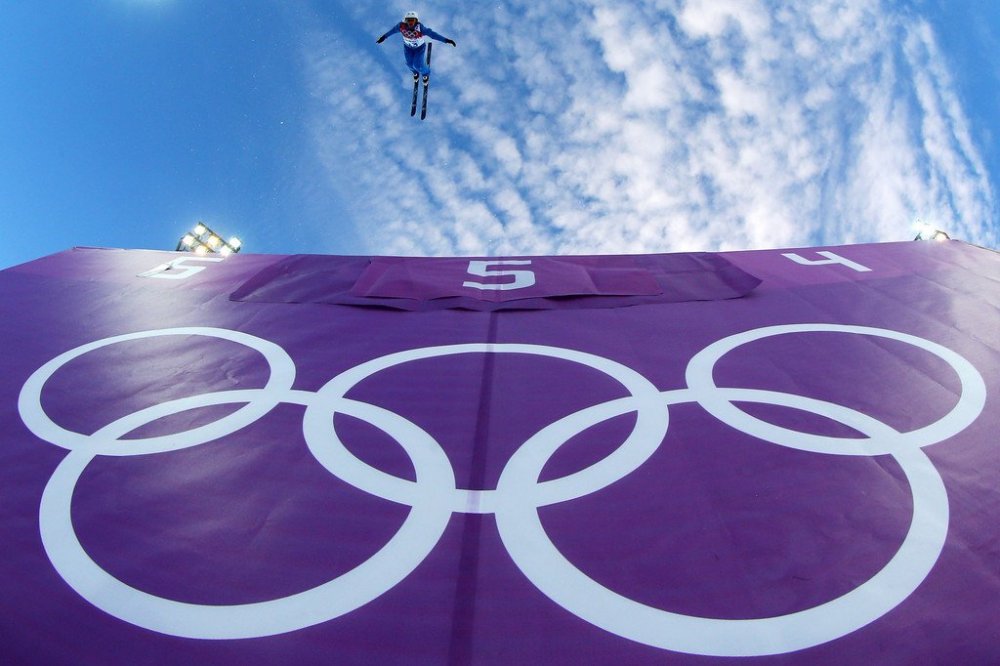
(536, 283)
(543, 277)
(221, 462)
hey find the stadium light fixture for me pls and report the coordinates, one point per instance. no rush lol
(927, 232)
(202, 240)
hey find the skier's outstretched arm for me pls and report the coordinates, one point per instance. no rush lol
(441, 38)
(388, 33)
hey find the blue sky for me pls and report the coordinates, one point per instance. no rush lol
(565, 127)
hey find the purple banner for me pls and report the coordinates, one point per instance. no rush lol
(537, 283)
(499, 279)
(210, 461)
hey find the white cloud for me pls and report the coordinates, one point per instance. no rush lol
(661, 125)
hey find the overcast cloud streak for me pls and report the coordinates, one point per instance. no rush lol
(658, 126)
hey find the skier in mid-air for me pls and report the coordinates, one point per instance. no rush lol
(417, 52)
(414, 45)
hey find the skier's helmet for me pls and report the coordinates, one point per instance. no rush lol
(411, 17)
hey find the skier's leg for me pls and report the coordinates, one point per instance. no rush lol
(420, 60)
(412, 61)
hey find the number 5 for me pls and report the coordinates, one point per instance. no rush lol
(522, 278)
(178, 269)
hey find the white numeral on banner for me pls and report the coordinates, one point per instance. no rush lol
(522, 278)
(178, 269)
(831, 258)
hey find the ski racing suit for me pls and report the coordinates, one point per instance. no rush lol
(414, 45)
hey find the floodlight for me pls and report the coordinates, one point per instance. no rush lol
(203, 240)
(927, 232)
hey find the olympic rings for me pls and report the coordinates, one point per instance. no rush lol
(519, 494)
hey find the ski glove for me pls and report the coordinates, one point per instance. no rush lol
(380, 39)
(450, 41)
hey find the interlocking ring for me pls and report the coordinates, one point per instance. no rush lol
(649, 429)
(515, 501)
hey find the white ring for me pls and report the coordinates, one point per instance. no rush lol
(646, 435)
(415, 539)
(541, 562)
(107, 441)
(970, 403)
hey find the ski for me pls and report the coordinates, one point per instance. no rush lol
(416, 87)
(423, 105)
(427, 81)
